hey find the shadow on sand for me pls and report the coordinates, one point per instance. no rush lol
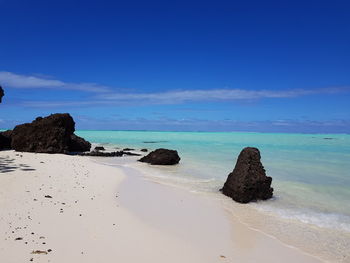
(7, 165)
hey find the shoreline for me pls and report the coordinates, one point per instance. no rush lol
(324, 244)
(215, 221)
(85, 220)
(309, 210)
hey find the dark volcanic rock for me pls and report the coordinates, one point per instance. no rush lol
(5, 140)
(109, 154)
(161, 157)
(48, 135)
(52, 134)
(1, 93)
(144, 150)
(248, 180)
(102, 154)
(78, 144)
(131, 154)
(99, 148)
(128, 149)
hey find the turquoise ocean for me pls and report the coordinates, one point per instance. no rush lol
(311, 172)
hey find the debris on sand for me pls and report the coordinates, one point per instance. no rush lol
(39, 252)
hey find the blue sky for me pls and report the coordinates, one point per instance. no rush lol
(270, 66)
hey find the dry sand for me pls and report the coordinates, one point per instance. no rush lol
(72, 209)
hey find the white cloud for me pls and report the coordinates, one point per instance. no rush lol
(175, 97)
(178, 97)
(12, 80)
(106, 96)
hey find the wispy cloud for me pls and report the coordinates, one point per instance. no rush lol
(12, 80)
(183, 96)
(175, 97)
(104, 95)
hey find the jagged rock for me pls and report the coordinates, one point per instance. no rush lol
(1, 93)
(99, 148)
(144, 150)
(79, 144)
(52, 134)
(5, 140)
(161, 157)
(248, 180)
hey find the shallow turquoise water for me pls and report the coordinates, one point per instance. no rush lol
(310, 172)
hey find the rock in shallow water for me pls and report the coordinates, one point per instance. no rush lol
(128, 149)
(108, 154)
(248, 181)
(99, 148)
(161, 157)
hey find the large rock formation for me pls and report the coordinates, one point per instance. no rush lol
(5, 140)
(78, 144)
(248, 181)
(161, 157)
(52, 134)
(1, 93)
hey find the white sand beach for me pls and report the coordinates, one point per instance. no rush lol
(60, 208)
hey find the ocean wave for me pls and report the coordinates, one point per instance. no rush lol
(320, 219)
